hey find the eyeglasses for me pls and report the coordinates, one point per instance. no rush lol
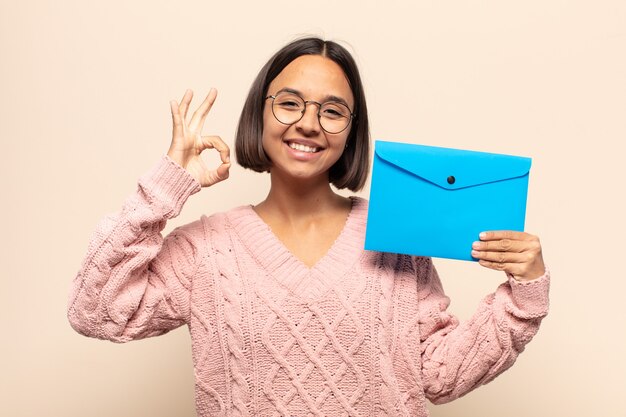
(288, 108)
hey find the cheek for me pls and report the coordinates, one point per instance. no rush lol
(344, 139)
(268, 119)
(272, 131)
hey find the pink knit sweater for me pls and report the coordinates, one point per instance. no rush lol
(359, 334)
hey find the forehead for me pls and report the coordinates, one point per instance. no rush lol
(315, 77)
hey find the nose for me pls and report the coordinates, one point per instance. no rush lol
(310, 122)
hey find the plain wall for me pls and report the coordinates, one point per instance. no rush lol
(84, 92)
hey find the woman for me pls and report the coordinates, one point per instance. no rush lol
(288, 314)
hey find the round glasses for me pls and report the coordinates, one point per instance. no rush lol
(288, 108)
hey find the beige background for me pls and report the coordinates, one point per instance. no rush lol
(84, 111)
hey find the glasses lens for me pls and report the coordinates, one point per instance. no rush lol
(334, 117)
(288, 108)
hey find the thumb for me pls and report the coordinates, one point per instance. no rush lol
(214, 176)
(223, 171)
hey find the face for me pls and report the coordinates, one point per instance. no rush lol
(303, 150)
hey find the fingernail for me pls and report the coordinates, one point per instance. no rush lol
(476, 245)
(474, 253)
(482, 235)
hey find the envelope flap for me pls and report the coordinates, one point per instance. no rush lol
(452, 168)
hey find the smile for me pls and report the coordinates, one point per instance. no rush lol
(302, 148)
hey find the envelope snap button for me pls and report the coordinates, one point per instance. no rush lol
(451, 179)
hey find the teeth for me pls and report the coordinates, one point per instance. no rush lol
(302, 148)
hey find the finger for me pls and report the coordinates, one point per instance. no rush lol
(501, 257)
(510, 241)
(197, 120)
(503, 234)
(506, 234)
(215, 142)
(184, 103)
(177, 123)
(503, 245)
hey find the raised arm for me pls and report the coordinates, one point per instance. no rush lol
(133, 283)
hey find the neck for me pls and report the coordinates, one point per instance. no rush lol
(301, 199)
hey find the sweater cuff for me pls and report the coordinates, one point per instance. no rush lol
(531, 297)
(168, 186)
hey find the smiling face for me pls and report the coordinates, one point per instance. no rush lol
(303, 150)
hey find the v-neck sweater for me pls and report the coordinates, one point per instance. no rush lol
(359, 333)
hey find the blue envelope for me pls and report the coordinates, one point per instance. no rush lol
(432, 201)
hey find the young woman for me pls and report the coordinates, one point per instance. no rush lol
(288, 314)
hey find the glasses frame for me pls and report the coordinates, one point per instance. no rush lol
(319, 108)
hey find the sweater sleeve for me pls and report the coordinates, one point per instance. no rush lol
(133, 283)
(458, 357)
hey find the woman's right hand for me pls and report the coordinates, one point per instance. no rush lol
(188, 142)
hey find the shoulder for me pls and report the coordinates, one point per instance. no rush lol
(213, 233)
(222, 228)
(226, 220)
(359, 202)
(220, 221)
(358, 213)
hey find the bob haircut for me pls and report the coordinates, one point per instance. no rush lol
(352, 168)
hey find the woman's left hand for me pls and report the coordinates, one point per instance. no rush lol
(516, 253)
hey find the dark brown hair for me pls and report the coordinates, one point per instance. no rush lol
(352, 168)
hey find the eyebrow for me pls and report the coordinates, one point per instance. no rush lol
(326, 98)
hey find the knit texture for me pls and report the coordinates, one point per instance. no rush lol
(358, 334)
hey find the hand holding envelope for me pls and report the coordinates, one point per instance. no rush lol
(516, 253)
(432, 201)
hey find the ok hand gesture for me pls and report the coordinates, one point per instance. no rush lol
(188, 142)
(516, 253)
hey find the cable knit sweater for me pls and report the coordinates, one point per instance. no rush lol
(359, 334)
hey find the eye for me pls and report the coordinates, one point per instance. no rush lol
(332, 113)
(334, 110)
(288, 102)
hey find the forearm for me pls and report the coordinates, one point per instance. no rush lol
(459, 358)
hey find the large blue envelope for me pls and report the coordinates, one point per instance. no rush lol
(432, 201)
